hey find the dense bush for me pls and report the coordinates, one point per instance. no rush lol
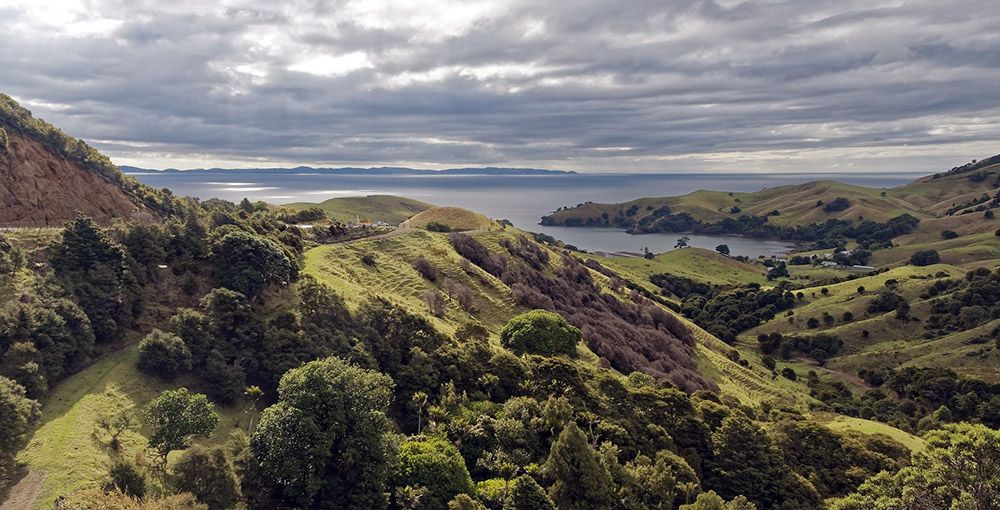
(209, 475)
(247, 263)
(436, 465)
(93, 268)
(540, 332)
(838, 204)
(163, 355)
(925, 258)
(11, 258)
(426, 269)
(730, 311)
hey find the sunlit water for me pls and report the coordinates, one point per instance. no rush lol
(520, 199)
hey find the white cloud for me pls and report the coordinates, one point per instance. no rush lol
(590, 85)
(331, 66)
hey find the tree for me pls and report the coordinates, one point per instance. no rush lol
(581, 481)
(17, 412)
(745, 462)
(93, 267)
(163, 355)
(925, 258)
(328, 437)
(682, 242)
(540, 332)
(117, 419)
(435, 303)
(526, 494)
(11, 258)
(712, 501)
(208, 474)
(778, 271)
(465, 502)
(248, 263)
(723, 249)
(435, 464)
(126, 478)
(176, 417)
(959, 468)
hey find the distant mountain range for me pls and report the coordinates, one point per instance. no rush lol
(385, 170)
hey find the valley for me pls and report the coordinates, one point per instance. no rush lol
(393, 353)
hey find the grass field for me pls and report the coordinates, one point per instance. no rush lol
(65, 448)
(846, 423)
(695, 263)
(387, 208)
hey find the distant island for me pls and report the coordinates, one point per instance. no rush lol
(385, 170)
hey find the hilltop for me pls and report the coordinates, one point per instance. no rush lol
(387, 208)
(47, 177)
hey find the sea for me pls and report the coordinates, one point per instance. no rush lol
(521, 199)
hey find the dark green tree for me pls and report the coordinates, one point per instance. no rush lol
(11, 258)
(248, 263)
(93, 267)
(327, 442)
(925, 258)
(540, 332)
(581, 481)
(959, 468)
(526, 494)
(163, 355)
(746, 462)
(208, 473)
(127, 478)
(17, 412)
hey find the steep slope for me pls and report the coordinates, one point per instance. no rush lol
(47, 177)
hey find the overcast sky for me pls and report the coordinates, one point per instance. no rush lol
(626, 85)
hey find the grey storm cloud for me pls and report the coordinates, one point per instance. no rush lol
(682, 85)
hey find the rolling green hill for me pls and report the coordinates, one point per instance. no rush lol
(387, 208)
(455, 218)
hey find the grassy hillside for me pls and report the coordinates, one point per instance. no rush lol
(455, 218)
(695, 263)
(67, 451)
(880, 339)
(796, 204)
(394, 277)
(387, 208)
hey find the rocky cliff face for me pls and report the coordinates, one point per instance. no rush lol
(39, 188)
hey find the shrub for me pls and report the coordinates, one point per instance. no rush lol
(126, 478)
(540, 332)
(208, 474)
(163, 355)
(426, 269)
(925, 258)
(437, 226)
(838, 204)
(433, 463)
(789, 374)
(948, 234)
